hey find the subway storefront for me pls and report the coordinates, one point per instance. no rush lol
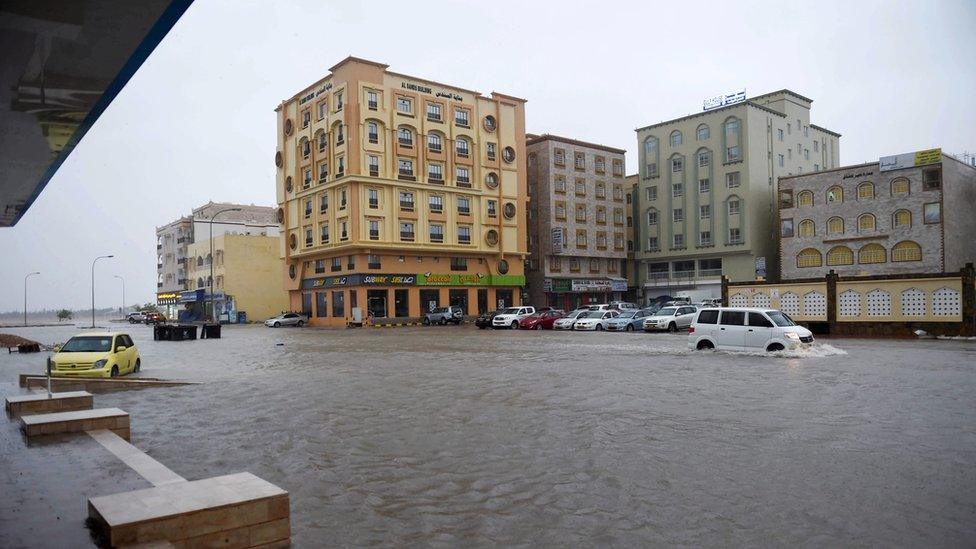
(339, 300)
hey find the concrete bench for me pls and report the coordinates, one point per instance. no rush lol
(239, 510)
(21, 405)
(113, 419)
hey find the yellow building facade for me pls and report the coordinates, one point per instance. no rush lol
(397, 194)
(245, 273)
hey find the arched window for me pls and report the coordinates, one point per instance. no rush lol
(322, 140)
(840, 255)
(650, 157)
(340, 133)
(807, 228)
(906, 250)
(835, 225)
(462, 146)
(675, 138)
(835, 194)
(200, 283)
(703, 132)
(435, 143)
(199, 261)
(733, 140)
(866, 222)
(405, 136)
(809, 258)
(372, 131)
(305, 147)
(900, 187)
(865, 191)
(902, 218)
(804, 198)
(209, 260)
(652, 216)
(872, 253)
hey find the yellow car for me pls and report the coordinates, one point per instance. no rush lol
(97, 354)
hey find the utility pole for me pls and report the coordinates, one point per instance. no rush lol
(93, 284)
(25, 294)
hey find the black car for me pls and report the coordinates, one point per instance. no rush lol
(484, 320)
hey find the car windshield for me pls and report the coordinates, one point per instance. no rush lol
(440, 310)
(667, 311)
(592, 314)
(627, 314)
(780, 319)
(508, 311)
(88, 344)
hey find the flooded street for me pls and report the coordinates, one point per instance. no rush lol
(457, 436)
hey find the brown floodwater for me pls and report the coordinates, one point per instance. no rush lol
(458, 436)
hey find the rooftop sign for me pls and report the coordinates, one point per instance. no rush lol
(723, 100)
(909, 160)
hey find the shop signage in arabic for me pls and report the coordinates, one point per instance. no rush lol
(723, 100)
(425, 89)
(312, 95)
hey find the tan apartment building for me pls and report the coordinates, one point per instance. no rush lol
(577, 232)
(905, 214)
(246, 271)
(398, 194)
(173, 239)
(707, 190)
(631, 186)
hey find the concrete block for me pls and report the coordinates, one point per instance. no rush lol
(21, 405)
(216, 512)
(70, 422)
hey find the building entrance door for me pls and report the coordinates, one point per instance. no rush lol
(376, 303)
(482, 302)
(429, 299)
(401, 302)
(503, 298)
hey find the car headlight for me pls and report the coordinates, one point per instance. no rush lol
(99, 364)
(792, 335)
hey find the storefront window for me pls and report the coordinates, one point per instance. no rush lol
(482, 301)
(321, 304)
(338, 304)
(459, 298)
(307, 304)
(401, 303)
(376, 303)
(503, 298)
(429, 299)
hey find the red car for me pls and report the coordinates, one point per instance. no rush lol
(542, 320)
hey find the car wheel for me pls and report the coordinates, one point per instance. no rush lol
(276, 325)
(774, 347)
(138, 365)
(426, 321)
(115, 371)
(515, 324)
(630, 328)
(300, 323)
(672, 327)
(599, 327)
(704, 345)
(482, 327)
(537, 327)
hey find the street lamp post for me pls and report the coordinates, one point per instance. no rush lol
(214, 216)
(123, 295)
(93, 284)
(25, 294)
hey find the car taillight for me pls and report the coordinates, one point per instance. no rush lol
(691, 329)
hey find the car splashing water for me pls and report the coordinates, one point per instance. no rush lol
(459, 436)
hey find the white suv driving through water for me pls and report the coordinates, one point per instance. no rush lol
(510, 317)
(746, 329)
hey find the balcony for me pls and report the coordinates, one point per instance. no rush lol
(406, 236)
(159, 247)
(406, 206)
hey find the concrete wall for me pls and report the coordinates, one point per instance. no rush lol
(958, 213)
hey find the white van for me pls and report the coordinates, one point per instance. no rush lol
(746, 329)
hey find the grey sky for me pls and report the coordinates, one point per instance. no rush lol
(197, 123)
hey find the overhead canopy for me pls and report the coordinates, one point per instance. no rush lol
(62, 64)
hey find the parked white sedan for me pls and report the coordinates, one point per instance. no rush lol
(594, 320)
(671, 319)
(566, 322)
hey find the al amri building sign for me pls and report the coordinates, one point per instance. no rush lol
(723, 100)
(909, 160)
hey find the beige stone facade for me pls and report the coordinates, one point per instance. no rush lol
(578, 213)
(860, 220)
(397, 193)
(706, 197)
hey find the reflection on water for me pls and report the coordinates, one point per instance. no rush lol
(456, 436)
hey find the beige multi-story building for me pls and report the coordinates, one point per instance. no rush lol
(630, 272)
(398, 194)
(246, 269)
(707, 190)
(577, 234)
(905, 214)
(173, 239)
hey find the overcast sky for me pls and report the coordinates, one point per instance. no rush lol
(196, 123)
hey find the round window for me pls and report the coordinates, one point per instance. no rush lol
(509, 210)
(281, 215)
(292, 271)
(491, 237)
(508, 154)
(289, 185)
(490, 124)
(278, 159)
(288, 126)
(503, 267)
(293, 241)
(491, 180)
